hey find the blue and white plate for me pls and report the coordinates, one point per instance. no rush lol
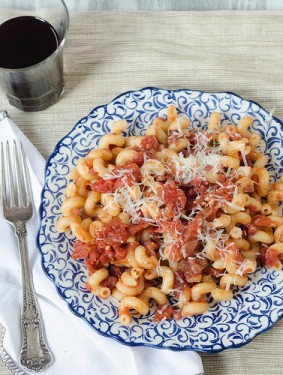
(255, 307)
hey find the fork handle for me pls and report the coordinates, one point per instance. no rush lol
(34, 354)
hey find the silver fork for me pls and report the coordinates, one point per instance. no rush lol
(17, 210)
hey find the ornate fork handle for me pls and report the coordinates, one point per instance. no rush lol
(34, 355)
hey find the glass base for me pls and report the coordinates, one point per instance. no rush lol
(37, 104)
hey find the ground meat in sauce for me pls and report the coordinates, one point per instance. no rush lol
(174, 199)
(163, 312)
(111, 244)
(130, 173)
(192, 266)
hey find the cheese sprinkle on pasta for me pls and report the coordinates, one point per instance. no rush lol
(173, 216)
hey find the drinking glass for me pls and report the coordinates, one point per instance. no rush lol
(28, 85)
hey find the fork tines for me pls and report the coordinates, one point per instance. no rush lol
(15, 182)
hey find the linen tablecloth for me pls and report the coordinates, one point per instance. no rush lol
(108, 53)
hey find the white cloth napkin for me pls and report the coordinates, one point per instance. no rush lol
(76, 348)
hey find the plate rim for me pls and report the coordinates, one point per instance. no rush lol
(41, 210)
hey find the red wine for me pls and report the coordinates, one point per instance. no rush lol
(26, 41)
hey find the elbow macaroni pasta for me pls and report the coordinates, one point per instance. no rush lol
(173, 216)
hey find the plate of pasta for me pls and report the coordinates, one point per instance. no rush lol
(161, 221)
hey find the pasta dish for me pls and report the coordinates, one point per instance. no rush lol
(178, 216)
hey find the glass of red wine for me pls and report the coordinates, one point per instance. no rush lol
(32, 36)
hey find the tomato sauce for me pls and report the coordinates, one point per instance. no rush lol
(128, 174)
(149, 142)
(179, 283)
(163, 312)
(252, 229)
(110, 245)
(192, 266)
(271, 258)
(139, 158)
(109, 282)
(263, 221)
(174, 199)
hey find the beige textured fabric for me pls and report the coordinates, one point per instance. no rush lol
(108, 53)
